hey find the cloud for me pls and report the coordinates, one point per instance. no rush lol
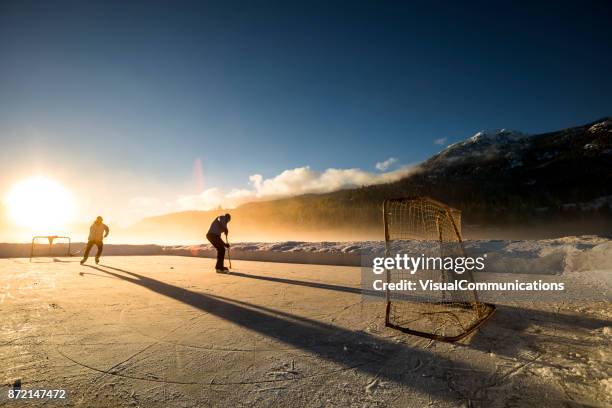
(300, 180)
(207, 200)
(441, 141)
(384, 165)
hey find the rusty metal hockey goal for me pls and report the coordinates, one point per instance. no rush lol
(433, 228)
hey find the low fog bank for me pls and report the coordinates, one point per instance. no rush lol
(540, 229)
(194, 233)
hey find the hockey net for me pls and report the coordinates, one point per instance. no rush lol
(50, 246)
(425, 227)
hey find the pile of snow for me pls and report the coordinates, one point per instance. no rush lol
(549, 256)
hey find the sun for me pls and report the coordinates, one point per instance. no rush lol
(40, 204)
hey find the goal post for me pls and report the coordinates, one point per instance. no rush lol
(423, 226)
(45, 245)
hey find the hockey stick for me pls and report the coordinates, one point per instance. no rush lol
(229, 259)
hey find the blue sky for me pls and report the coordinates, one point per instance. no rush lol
(137, 91)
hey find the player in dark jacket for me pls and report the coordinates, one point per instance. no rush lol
(218, 227)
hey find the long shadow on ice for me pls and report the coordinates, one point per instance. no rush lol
(317, 285)
(449, 377)
(513, 331)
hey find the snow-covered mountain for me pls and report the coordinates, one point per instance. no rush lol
(483, 145)
(509, 153)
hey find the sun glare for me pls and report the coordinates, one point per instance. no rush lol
(40, 204)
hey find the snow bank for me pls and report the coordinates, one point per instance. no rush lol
(550, 256)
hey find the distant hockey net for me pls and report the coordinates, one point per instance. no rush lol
(50, 246)
(424, 227)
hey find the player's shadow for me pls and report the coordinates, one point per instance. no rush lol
(317, 285)
(428, 373)
(513, 331)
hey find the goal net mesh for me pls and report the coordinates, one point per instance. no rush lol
(50, 246)
(422, 227)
